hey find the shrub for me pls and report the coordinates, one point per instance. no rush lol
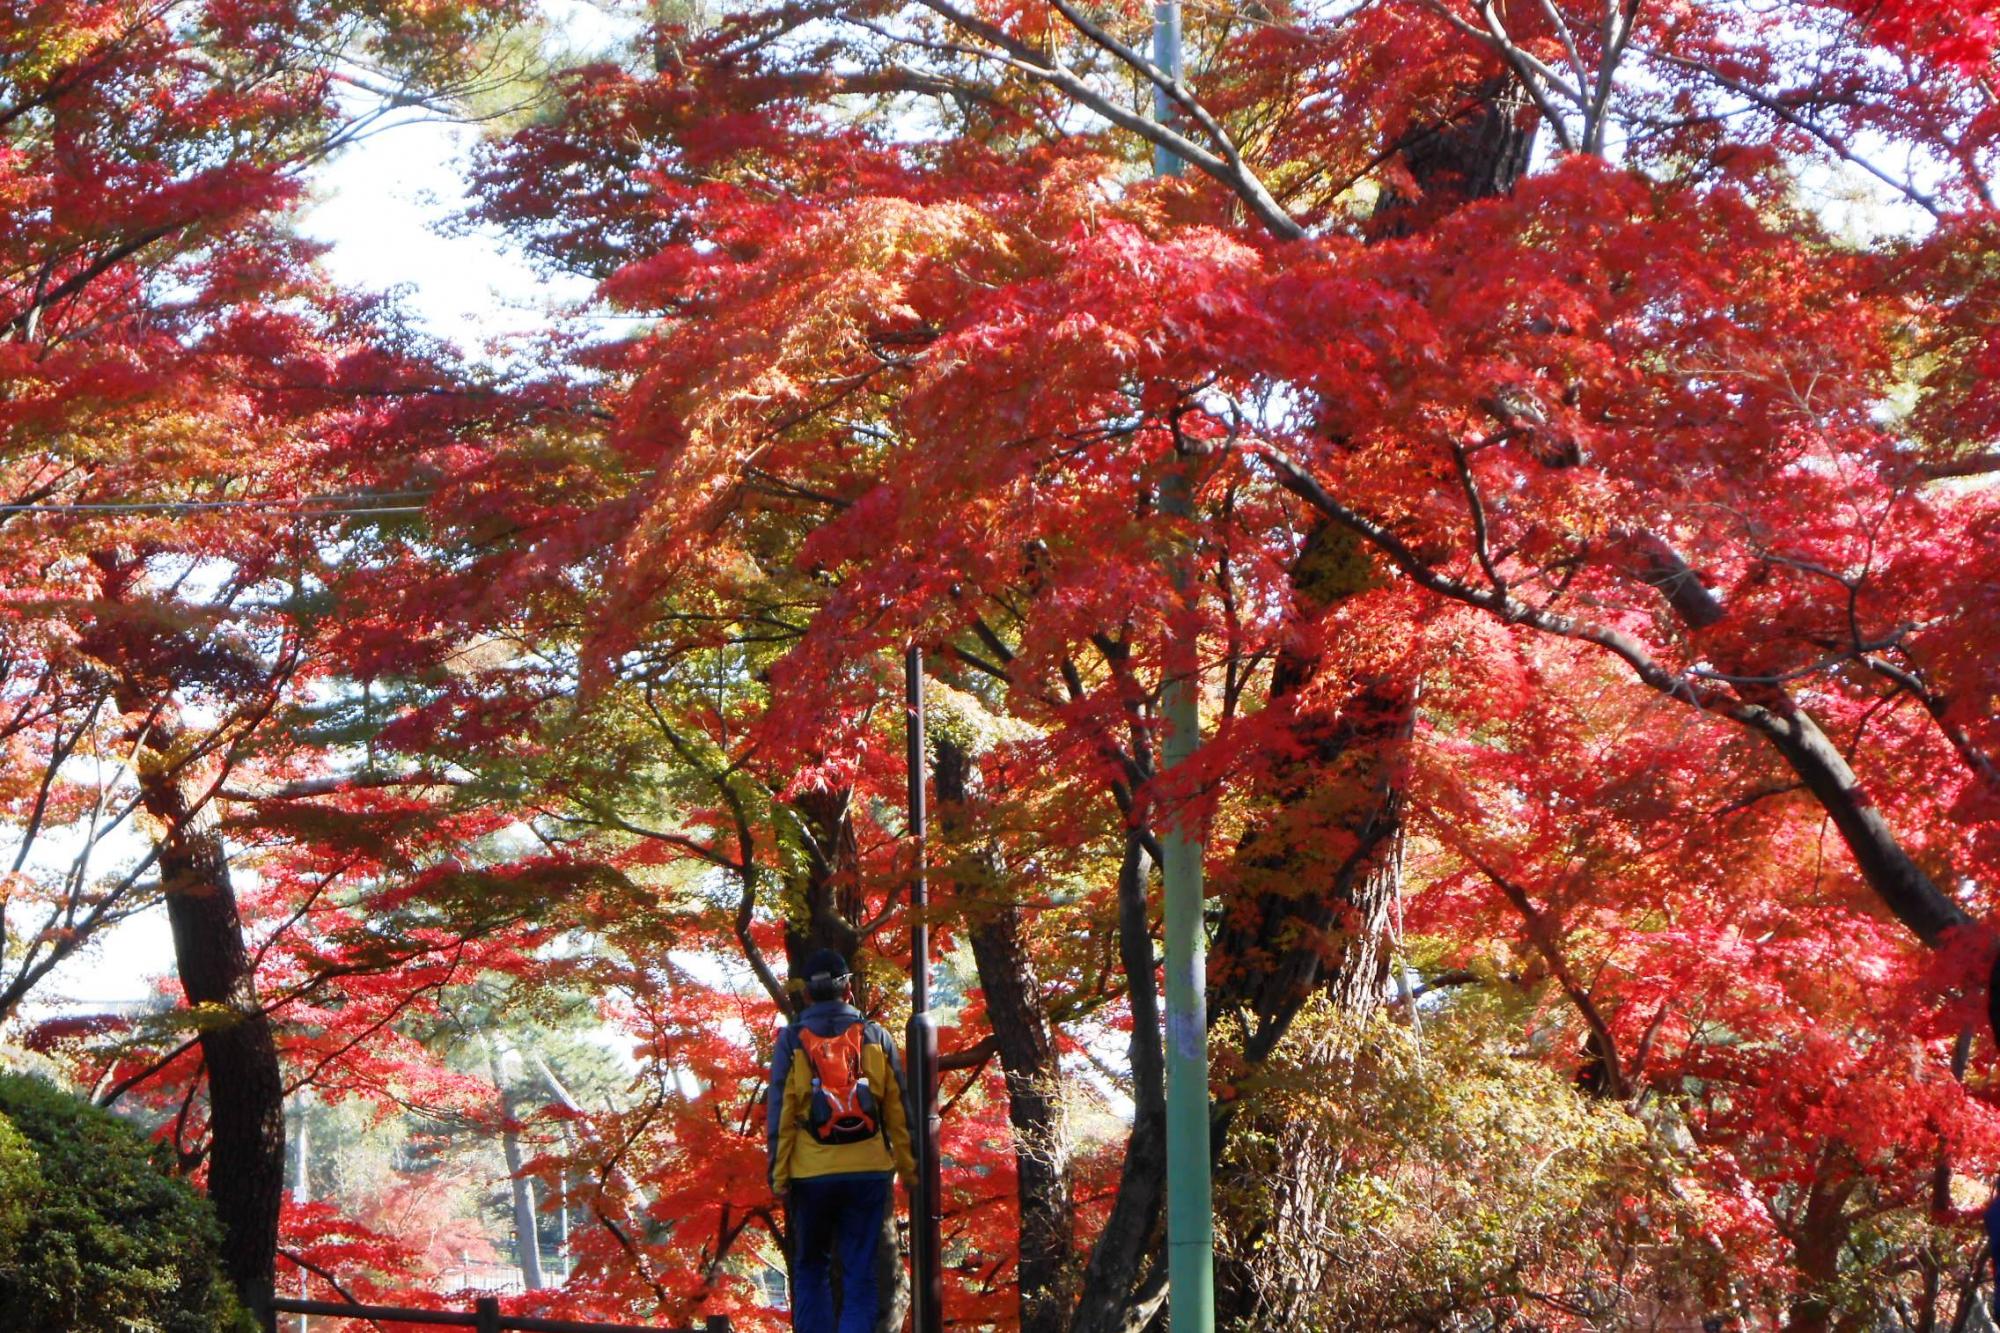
(95, 1237)
(1380, 1181)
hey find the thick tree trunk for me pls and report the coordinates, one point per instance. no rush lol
(823, 904)
(1313, 880)
(1823, 1228)
(1315, 875)
(1026, 1042)
(246, 1093)
(246, 1090)
(1304, 917)
(1477, 154)
(1312, 884)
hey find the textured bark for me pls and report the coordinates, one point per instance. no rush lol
(1315, 912)
(823, 903)
(246, 1091)
(1477, 154)
(1312, 884)
(246, 1094)
(1126, 1276)
(1822, 1231)
(1313, 880)
(1026, 1045)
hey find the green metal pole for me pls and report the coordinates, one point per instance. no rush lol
(1190, 1215)
(1190, 1203)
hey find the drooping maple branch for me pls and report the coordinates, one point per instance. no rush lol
(75, 76)
(299, 1260)
(382, 1021)
(970, 1057)
(1296, 479)
(333, 784)
(124, 1085)
(1546, 936)
(744, 866)
(23, 321)
(1903, 886)
(1940, 710)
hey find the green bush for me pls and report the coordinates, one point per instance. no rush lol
(95, 1237)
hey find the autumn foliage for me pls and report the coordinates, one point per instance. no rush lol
(1565, 434)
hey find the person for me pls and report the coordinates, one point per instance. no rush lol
(838, 1134)
(1992, 1220)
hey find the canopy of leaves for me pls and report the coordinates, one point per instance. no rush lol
(1575, 508)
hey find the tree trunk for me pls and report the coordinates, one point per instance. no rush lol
(823, 905)
(527, 1241)
(246, 1090)
(1822, 1233)
(1303, 918)
(1478, 154)
(1125, 1280)
(1309, 890)
(1026, 1042)
(1314, 877)
(246, 1093)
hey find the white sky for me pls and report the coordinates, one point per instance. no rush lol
(379, 207)
(381, 204)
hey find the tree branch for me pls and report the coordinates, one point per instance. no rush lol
(1224, 166)
(1902, 885)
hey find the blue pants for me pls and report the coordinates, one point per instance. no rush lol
(836, 1218)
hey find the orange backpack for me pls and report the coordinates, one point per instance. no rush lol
(843, 1108)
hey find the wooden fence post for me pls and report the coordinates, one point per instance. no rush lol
(487, 1311)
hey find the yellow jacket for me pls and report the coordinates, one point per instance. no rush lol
(795, 1154)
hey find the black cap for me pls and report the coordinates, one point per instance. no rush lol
(825, 972)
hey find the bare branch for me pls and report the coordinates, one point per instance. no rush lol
(1789, 114)
(1222, 165)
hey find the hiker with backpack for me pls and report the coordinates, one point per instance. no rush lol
(838, 1131)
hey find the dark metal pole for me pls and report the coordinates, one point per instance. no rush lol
(920, 929)
(921, 1040)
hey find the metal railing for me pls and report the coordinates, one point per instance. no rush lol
(484, 1317)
